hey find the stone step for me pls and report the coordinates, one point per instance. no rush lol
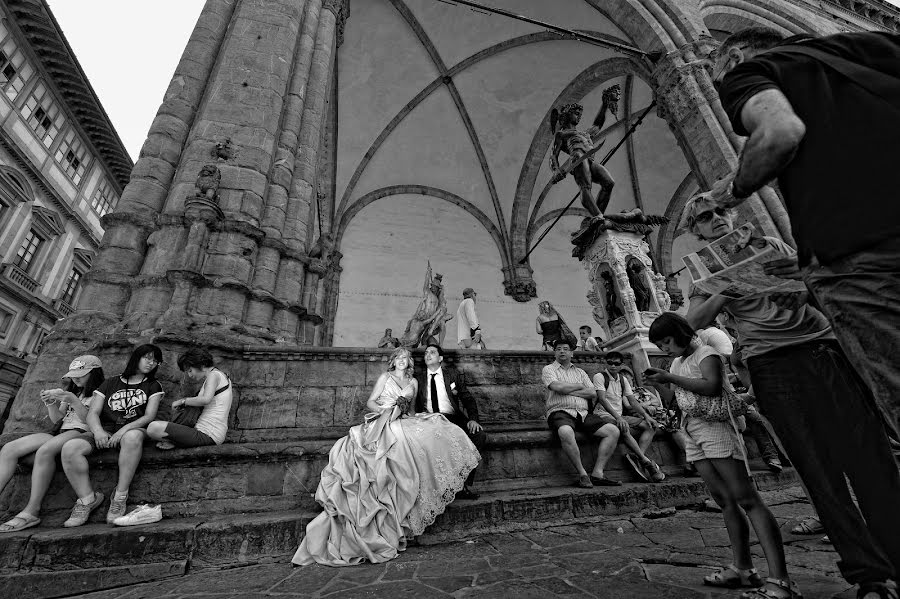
(283, 475)
(55, 562)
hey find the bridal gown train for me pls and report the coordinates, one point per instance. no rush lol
(386, 481)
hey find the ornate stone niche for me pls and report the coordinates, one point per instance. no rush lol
(626, 294)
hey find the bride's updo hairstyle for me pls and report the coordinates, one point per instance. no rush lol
(400, 351)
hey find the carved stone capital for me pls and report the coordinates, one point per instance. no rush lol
(201, 208)
(518, 283)
(683, 80)
(341, 10)
(318, 266)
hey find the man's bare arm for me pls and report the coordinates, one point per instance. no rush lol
(775, 134)
(702, 311)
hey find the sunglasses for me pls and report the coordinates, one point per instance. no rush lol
(707, 216)
(613, 363)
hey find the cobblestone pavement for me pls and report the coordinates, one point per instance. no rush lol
(625, 557)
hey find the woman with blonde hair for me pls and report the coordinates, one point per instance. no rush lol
(389, 478)
(551, 326)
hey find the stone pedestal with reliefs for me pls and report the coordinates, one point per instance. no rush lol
(219, 238)
(626, 294)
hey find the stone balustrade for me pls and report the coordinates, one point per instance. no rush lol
(20, 277)
(63, 307)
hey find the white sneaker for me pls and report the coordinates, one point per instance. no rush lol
(142, 514)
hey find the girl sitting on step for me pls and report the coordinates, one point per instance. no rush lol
(209, 409)
(66, 407)
(120, 409)
(715, 449)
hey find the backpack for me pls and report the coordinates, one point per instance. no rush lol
(606, 380)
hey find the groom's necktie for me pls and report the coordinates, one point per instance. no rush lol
(434, 398)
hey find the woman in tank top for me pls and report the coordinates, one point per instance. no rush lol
(200, 420)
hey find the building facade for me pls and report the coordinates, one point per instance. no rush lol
(62, 168)
(310, 157)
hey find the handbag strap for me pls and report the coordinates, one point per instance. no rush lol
(726, 392)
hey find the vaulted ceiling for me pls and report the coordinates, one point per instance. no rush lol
(453, 104)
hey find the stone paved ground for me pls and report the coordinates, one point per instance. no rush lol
(623, 557)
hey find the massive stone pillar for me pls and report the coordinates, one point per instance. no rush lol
(689, 103)
(212, 240)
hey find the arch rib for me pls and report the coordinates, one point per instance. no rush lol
(428, 191)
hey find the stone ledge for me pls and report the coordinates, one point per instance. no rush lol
(40, 558)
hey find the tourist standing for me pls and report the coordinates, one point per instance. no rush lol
(715, 450)
(820, 409)
(468, 330)
(586, 341)
(822, 116)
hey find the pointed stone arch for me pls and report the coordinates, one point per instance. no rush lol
(428, 191)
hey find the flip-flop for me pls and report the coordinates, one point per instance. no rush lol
(20, 521)
(604, 482)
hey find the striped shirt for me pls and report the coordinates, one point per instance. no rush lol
(573, 405)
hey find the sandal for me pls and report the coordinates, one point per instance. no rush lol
(20, 521)
(763, 592)
(885, 590)
(732, 577)
(165, 445)
(808, 526)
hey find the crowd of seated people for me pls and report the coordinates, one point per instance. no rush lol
(119, 413)
(115, 414)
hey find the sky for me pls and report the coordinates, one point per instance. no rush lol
(129, 51)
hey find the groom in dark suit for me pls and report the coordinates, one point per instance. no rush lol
(444, 390)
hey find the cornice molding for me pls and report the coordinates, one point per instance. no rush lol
(36, 22)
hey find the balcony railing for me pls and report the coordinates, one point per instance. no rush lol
(63, 308)
(20, 278)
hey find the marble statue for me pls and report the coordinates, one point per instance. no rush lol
(567, 138)
(642, 294)
(208, 182)
(613, 311)
(388, 341)
(428, 323)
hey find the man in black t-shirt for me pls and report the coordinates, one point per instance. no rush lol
(823, 117)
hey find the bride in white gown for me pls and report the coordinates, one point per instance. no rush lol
(389, 478)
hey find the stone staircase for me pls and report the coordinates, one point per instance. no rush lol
(250, 499)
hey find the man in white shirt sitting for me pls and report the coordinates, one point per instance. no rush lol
(568, 403)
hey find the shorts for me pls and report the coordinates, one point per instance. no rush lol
(636, 425)
(590, 425)
(89, 437)
(187, 436)
(634, 422)
(710, 440)
(74, 428)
